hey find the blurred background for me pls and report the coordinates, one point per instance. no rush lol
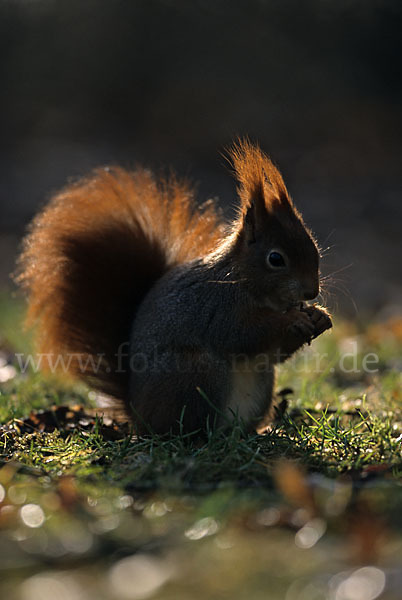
(171, 82)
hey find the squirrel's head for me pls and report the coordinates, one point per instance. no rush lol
(278, 255)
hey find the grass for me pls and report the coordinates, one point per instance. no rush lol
(310, 510)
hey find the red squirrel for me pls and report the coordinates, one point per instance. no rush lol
(160, 304)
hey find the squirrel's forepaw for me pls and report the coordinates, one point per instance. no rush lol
(320, 319)
(302, 327)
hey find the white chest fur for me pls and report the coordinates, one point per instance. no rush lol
(251, 384)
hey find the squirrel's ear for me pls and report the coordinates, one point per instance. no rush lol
(261, 188)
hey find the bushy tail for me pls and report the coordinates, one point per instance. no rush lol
(91, 256)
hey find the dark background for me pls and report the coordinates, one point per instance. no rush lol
(317, 82)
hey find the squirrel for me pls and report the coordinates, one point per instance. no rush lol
(161, 305)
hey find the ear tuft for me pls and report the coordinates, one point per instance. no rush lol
(259, 179)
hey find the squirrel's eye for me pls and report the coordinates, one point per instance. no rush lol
(275, 259)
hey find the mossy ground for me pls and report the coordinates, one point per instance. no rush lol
(310, 510)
